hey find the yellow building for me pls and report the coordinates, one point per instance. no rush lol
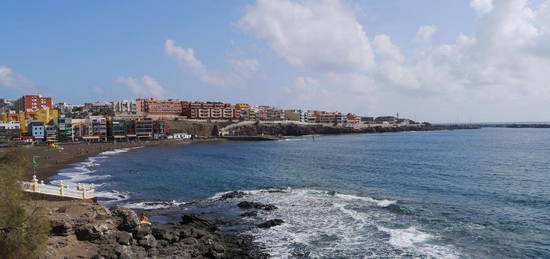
(23, 118)
(242, 106)
(292, 115)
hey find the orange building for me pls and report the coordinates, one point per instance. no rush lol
(33, 103)
(210, 111)
(158, 108)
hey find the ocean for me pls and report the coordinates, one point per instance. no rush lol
(442, 194)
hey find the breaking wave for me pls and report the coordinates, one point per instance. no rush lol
(84, 173)
(152, 205)
(326, 224)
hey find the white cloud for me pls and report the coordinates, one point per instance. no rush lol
(502, 67)
(17, 82)
(242, 69)
(245, 67)
(426, 33)
(384, 47)
(143, 87)
(317, 35)
(482, 6)
(305, 89)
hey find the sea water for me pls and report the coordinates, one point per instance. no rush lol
(443, 194)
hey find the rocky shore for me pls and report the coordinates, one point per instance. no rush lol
(85, 229)
(295, 129)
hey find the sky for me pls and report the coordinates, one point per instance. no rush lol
(428, 60)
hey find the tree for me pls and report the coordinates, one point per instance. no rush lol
(23, 225)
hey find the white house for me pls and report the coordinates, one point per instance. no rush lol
(10, 125)
(179, 136)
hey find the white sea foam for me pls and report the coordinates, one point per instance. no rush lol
(327, 224)
(118, 151)
(112, 196)
(218, 195)
(419, 241)
(152, 205)
(380, 203)
(406, 237)
(84, 173)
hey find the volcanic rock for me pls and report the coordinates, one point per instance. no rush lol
(130, 219)
(124, 238)
(256, 205)
(233, 195)
(199, 221)
(61, 226)
(148, 241)
(249, 214)
(271, 223)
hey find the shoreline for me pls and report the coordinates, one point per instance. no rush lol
(52, 160)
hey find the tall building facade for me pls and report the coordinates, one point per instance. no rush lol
(210, 111)
(99, 107)
(268, 113)
(125, 108)
(158, 109)
(33, 103)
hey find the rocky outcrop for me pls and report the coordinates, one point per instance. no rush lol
(118, 233)
(130, 219)
(61, 226)
(199, 221)
(233, 195)
(294, 129)
(255, 205)
(271, 223)
(199, 128)
(93, 232)
(249, 214)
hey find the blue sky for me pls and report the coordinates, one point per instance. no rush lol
(406, 56)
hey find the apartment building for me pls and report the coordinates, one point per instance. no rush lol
(125, 108)
(326, 117)
(23, 118)
(37, 129)
(158, 109)
(93, 128)
(268, 113)
(296, 115)
(99, 108)
(9, 130)
(210, 111)
(50, 132)
(65, 108)
(64, 128)
(32, 103)
(352, 118)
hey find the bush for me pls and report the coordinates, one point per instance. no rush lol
(23, 225)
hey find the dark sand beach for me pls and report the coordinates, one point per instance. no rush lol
(51, 160)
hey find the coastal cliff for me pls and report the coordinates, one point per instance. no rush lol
(299, 129)
(198, 128)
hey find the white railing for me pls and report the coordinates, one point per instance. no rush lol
(77, 192)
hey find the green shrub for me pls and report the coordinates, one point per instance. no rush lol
(23, 225)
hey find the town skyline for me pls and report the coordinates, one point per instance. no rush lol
(471, 61)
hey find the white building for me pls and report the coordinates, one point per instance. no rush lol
(125, 108)
(10, 125)
(66, 107)
(179, 136)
